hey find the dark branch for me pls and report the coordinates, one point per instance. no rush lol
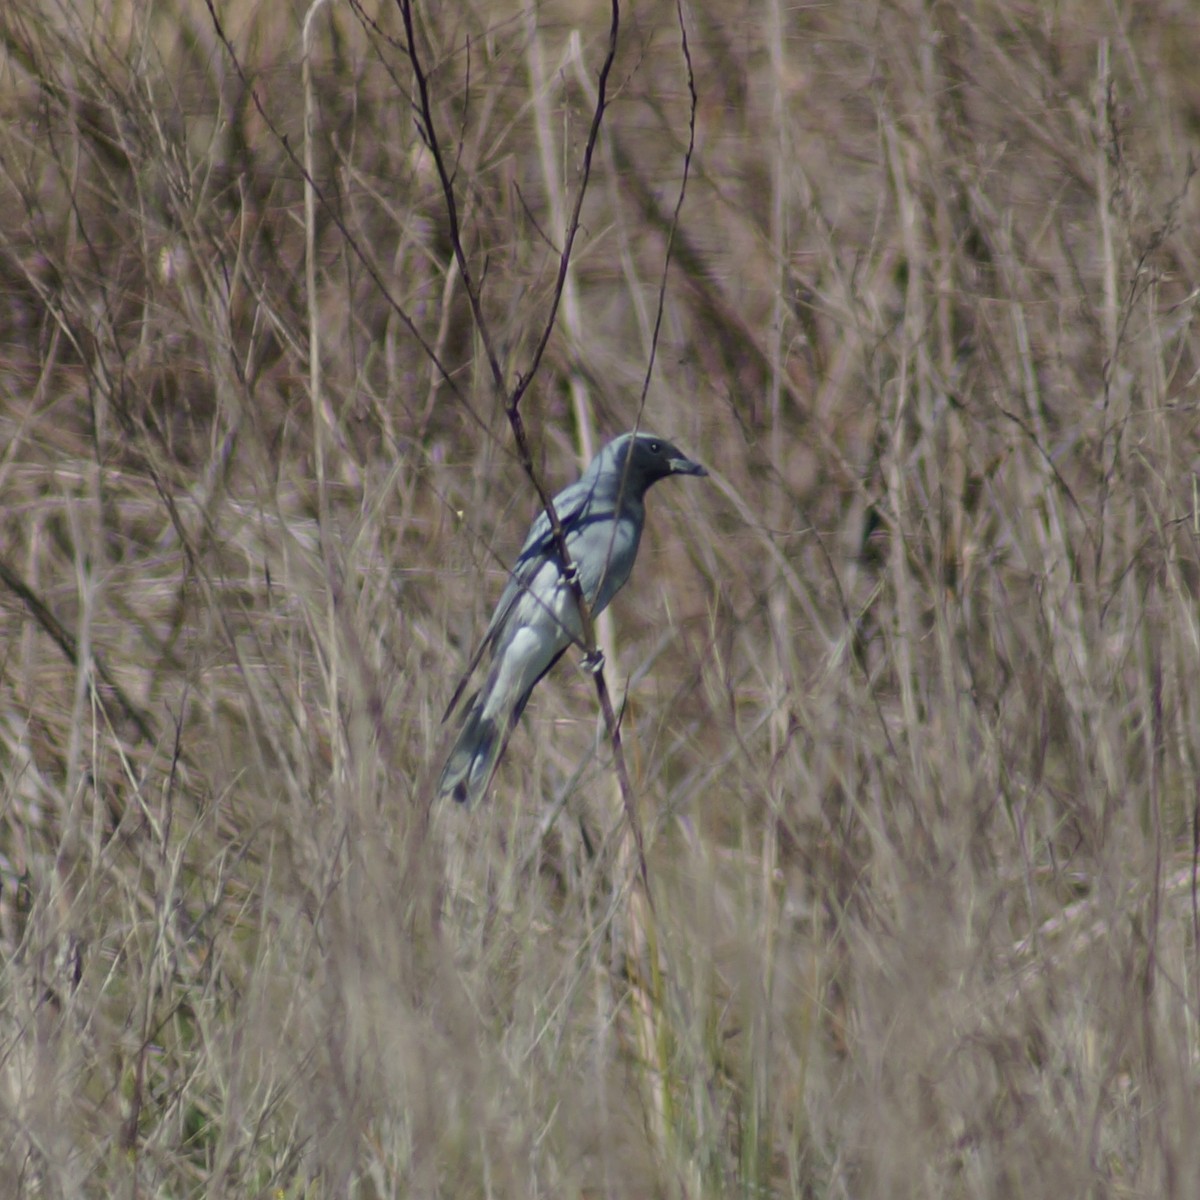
(430, 137)
(66, 642)
(336, 218)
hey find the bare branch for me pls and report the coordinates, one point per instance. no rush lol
(564, 259)
(674, 226)
(336, 218)
(68, 644)
(513, 400)
(428, 130)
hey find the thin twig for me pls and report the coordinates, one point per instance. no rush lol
(331, 211)
(320, 419)
(67, 643)
(673, 228)
(428, 131)
(564, 259)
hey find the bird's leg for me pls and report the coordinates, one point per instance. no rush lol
(594, 660)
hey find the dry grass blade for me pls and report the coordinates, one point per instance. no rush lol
(911, 721)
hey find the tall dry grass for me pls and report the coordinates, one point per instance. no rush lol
(911, 681)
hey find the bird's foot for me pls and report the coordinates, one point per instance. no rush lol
(594, 662)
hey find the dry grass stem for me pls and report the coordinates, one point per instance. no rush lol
(306, 312)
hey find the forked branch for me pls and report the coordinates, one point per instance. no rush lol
(512, 396)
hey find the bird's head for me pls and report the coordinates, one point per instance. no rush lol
(645, 458)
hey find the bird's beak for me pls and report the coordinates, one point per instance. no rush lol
(685, 466)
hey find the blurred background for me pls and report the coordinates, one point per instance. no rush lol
(909, 684)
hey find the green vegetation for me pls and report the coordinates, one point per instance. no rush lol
(910, 686)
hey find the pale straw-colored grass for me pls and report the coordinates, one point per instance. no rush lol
(911, 714)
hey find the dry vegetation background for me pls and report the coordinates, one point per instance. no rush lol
(913, 678)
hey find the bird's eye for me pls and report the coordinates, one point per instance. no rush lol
(655, 447)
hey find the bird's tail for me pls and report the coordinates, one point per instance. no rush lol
(473, 758)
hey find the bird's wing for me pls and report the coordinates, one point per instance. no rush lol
(570, 505)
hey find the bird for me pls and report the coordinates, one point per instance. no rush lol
(537, 618)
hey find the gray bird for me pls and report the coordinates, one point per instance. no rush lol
(602, 515)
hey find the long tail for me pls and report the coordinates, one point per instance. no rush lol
(473, 758)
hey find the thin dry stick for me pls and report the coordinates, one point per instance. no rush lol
(673, 227)
(320, 418)
(653, 1033)
(332, 213)
(67, 643)
(571, 319)
(428, 132)
(639, 942)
